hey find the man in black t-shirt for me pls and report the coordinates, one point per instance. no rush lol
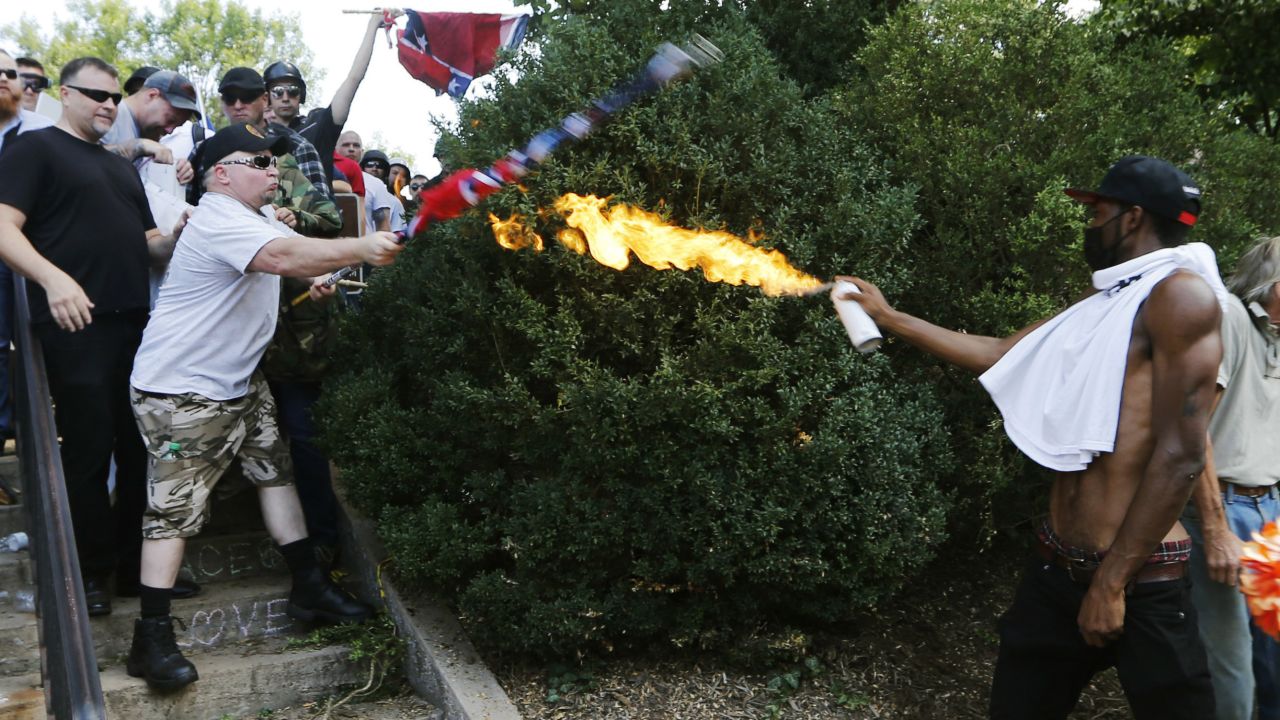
(79, 229)
(288, 91)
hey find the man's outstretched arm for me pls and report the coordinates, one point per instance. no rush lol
(1182, 320)
(975, 353)
(342, 99)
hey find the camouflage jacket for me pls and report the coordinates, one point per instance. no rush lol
(316, 213)
(305, 333)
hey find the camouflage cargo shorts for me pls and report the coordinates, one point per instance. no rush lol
(208, 435)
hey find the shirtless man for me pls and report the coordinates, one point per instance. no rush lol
(1109, 586)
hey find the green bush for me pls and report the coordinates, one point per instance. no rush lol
(586, 459)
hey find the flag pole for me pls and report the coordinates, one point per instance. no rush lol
(465, 189)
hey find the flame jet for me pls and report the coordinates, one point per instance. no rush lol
(612, 235)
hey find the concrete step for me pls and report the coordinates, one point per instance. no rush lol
(19, 642)
(211, 558)
(235, 682)
(16, 573)
(21, 698)
(12, 519)
(226, 613)
(402, 707)
(10, 475)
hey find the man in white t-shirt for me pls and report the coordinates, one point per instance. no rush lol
(376, 164)
(377, 201)
(198, 399)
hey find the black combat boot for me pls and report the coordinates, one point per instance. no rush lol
(156, 658)
(315, 597)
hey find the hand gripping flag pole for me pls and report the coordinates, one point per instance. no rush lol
(465, 189)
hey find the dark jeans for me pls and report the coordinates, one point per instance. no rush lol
(1044, 662)
(89, 379)
(310, 466)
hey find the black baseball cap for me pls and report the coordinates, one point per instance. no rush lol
(236, 138)
(177, 89)
(139, 76)
(1150, 183)
(242, 78)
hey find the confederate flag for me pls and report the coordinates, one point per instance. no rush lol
(448, 50)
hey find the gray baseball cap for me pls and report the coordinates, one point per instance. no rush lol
(177, 89)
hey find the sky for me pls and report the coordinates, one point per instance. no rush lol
(389, 103)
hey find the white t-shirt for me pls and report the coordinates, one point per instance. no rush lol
(376, 197)
(213, 318)
(397, 214)
(167, 198)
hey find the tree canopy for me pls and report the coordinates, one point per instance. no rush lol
(201, 39)
(1233, 59)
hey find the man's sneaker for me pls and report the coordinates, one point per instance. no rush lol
(155, 657)
(319, 598)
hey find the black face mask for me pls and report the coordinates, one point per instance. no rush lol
(1096, 254)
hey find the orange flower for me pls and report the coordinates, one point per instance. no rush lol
(1260, 581)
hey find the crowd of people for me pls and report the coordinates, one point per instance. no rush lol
(161, 261)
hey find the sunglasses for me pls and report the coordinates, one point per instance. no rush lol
(231, 98)
(278, 92)
(375, 165)
(9, 73)
(261, 162)
(32, 81)
(98, 96)
(417, 186)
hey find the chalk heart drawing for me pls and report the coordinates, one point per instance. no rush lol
(207, 627)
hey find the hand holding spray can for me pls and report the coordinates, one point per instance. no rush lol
(863, 332)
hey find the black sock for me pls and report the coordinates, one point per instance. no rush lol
(155, 601)
(300, 558)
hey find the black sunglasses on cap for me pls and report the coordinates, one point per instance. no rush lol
(98, 96)
(231, 97)
(32, 81)
(279, 91)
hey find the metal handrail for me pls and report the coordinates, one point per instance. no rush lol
(72, 686)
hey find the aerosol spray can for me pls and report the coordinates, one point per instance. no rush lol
(862, 330)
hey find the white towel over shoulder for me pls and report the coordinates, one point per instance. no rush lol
(1059, 387)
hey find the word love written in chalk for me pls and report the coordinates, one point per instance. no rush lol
(237, 621)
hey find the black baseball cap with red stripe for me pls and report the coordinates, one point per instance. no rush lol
(1150, 183)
